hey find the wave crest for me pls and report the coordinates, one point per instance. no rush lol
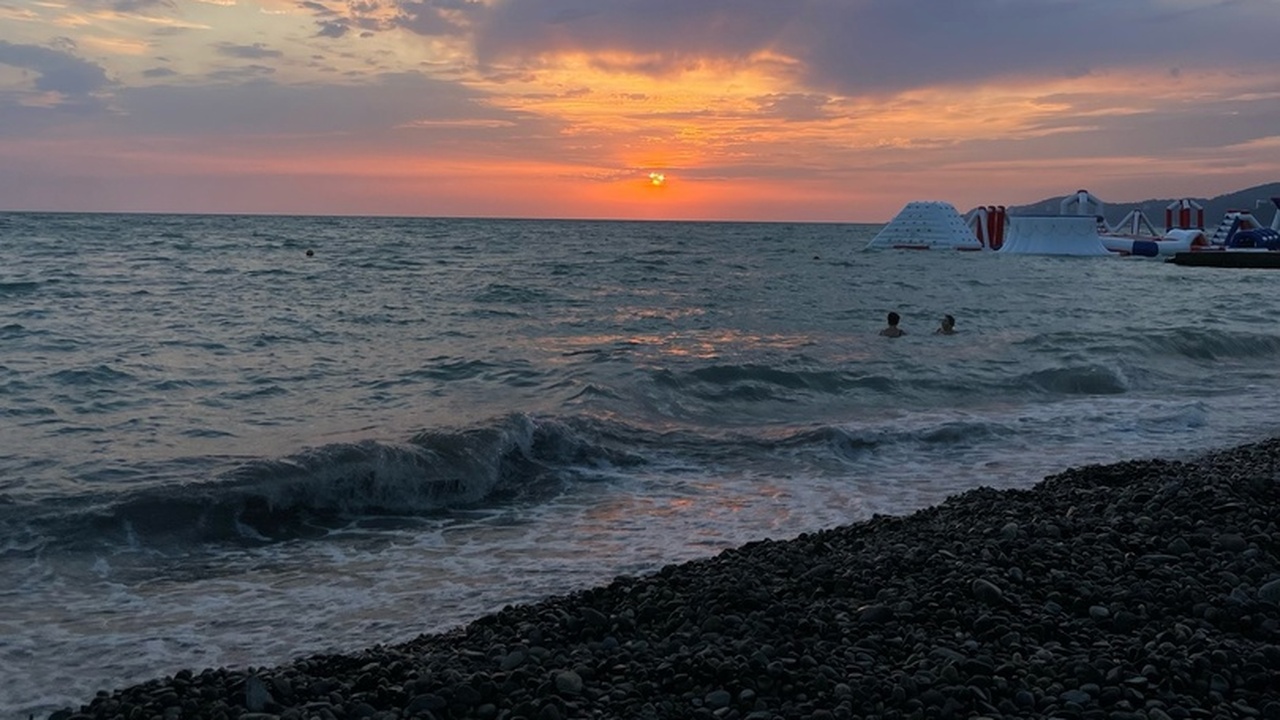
(519, 458)
(1078, 380)
(1202, 344)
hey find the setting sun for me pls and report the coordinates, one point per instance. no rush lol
(657, 179)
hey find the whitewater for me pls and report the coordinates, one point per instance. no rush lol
(220, 449)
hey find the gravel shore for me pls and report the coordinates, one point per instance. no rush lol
(1145, 589)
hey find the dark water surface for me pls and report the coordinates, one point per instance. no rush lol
(215, 450)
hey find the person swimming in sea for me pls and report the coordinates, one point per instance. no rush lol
(948, 326)
(893, 330)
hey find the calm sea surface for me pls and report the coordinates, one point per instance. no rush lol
(216, 450)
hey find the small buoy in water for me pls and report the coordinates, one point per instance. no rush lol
(310, 253)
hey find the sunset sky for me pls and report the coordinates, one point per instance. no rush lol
(825, 110)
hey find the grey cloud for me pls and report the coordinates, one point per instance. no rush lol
(63, 43)
(76, 82)
(126, 6)
(438, 17)
(247, 72)
(139, 5)
(56, 71)
(332, 29)
(669, 34)
(360, 16)
(879, 46)
(368, 25)
(318, 8)
(1169, 132)
(422, 17)
(256, 51)
(264, 106)
(158, 72)
(465, 5)
(570, 14)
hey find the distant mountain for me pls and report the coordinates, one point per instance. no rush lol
(1255, 199)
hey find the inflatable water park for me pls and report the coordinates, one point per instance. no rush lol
(1080, 228)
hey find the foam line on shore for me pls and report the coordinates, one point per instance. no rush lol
(1142, 589)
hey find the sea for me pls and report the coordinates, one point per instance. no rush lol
(238, 440)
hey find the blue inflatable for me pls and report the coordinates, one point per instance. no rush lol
(1264, 238)
(1145, 248)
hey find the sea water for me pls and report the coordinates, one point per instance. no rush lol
(231, 441)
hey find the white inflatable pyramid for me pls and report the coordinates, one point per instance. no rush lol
(924, 225)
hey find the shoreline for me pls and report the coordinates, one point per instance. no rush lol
(1140, 589)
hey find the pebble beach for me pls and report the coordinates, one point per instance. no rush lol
(1142, 589)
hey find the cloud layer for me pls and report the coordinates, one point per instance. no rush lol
(806, 109)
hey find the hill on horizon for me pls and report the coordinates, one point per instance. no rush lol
(1256, 199)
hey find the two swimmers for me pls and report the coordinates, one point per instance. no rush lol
(947, 327)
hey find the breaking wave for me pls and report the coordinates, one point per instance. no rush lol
(519, 458)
